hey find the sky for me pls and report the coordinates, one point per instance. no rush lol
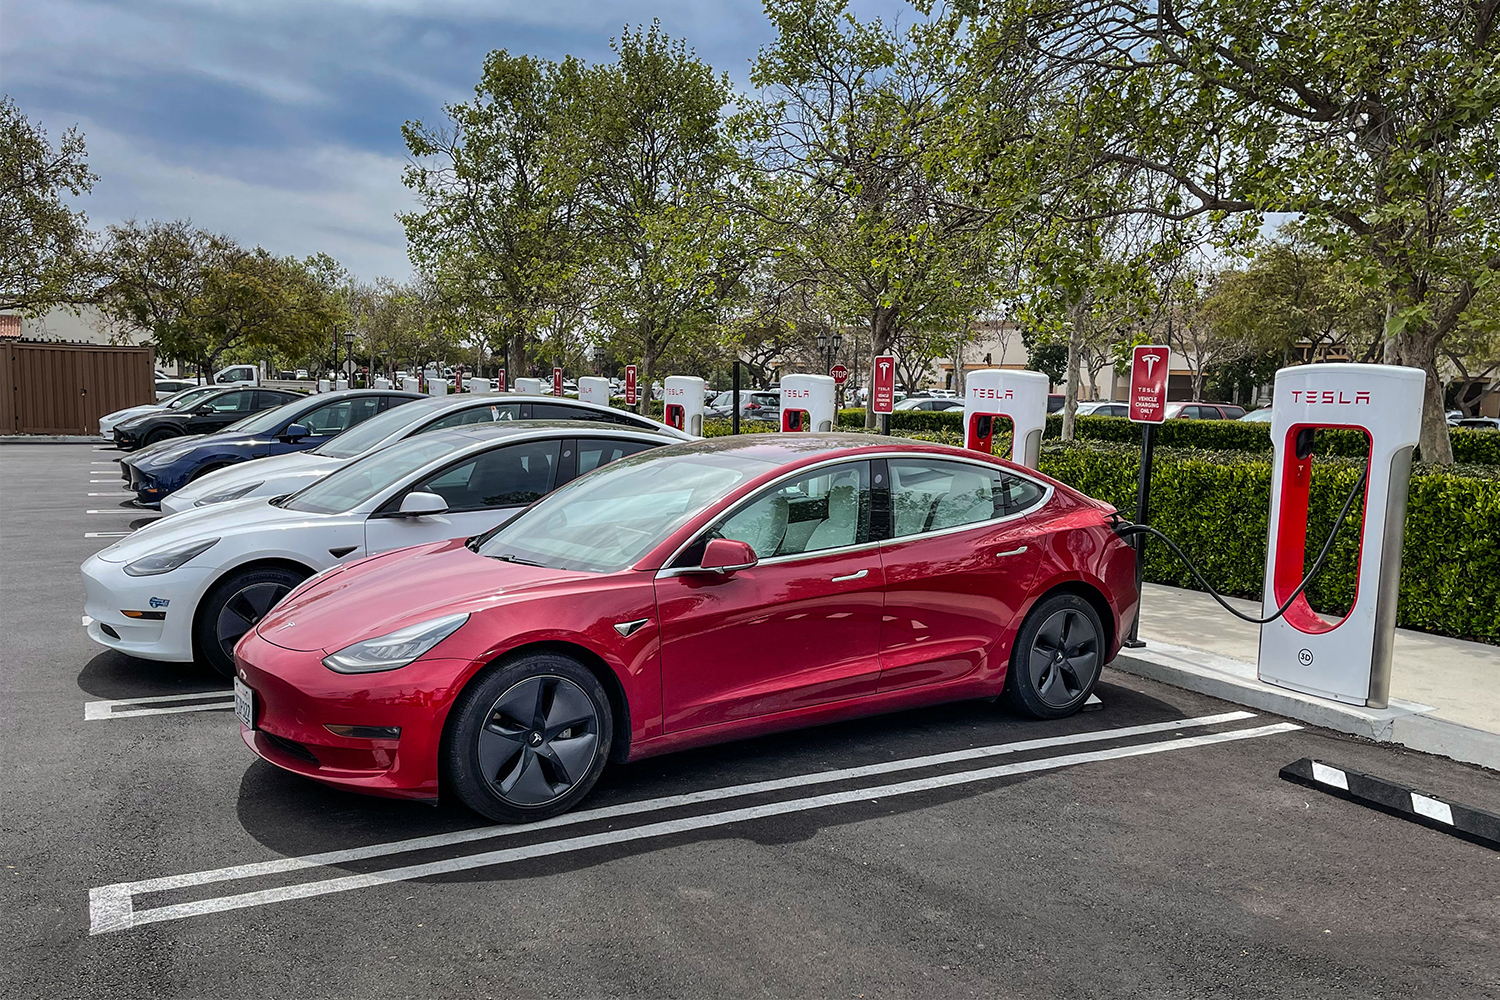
(278, 122)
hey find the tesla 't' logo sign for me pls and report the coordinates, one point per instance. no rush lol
(1150, 360)
(1148, 387)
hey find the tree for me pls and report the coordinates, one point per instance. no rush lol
(655, 174)
(497, 230)
(45, 246)
(1374, 121)
(203, 295)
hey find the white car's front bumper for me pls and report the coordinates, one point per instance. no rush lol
(109, 592)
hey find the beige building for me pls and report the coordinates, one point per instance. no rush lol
(82, 324)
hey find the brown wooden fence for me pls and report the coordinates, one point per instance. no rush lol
(66, 388)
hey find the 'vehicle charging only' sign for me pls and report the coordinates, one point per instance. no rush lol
(883, 385)
(1148, 384)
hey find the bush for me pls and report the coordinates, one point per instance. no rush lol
(1216, 507)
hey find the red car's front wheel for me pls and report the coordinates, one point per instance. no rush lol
(528, 739)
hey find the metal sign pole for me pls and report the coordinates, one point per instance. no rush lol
(734, 413)
(1142, 514)
(1149, 374)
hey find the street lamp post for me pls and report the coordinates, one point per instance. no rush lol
(829, 345)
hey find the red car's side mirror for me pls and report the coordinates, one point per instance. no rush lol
(725, 555)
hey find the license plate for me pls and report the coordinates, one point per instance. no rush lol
(244, 703)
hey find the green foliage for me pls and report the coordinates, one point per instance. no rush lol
(1216, 505)
(45, 246)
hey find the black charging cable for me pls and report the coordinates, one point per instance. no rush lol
(1126, 530)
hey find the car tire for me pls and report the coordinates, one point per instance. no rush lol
(1057, 658)
(528, 739)
(233, 606)
(205, 471)
(157, 436)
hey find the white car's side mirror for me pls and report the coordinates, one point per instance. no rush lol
(417, 503)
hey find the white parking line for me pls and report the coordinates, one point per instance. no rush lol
(105, 463)
(116, 493)
(111, 907)
(107, 534)
(93, 710)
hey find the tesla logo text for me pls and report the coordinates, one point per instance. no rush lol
(1151, 360)
(1328, 396)
(796, 393)
(979, 393)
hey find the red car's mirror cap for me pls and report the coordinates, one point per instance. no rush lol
(725, 555)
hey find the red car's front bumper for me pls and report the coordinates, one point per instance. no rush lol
(297, 698)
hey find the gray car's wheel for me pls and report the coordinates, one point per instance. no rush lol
(528, 740)
(233, 607)
(1057, 658)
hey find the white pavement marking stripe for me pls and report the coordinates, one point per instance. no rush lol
(1330, 776)
(114, 494)
(1431, 808)
(111, 908)
(115, 510)
(106, 709)
(104, 463)
(666, 802)
(106, 534)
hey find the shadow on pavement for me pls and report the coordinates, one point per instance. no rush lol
(112, 674)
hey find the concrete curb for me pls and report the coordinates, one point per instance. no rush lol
(52, 439)
(1406, 723)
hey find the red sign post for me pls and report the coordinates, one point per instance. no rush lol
(557, 382)
(840, 374)
(500, 381)
(1148, 384)
(630, 385)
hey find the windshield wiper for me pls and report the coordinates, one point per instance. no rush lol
(511, 557)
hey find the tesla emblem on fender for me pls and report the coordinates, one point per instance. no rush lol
(286, 626)
(628, 629)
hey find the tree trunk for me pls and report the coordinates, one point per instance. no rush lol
(1198, 382)
(882, 322)
(1070, 400)
(1421, 352)
(643, 383)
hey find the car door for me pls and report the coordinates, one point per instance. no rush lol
(221, 411)
(800, 628)
(328, 420)
(482, 490)
(958, 566)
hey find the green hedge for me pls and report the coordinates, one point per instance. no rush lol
(1470, 447)
(1216, 506)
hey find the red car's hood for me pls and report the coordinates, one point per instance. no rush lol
(383, 593)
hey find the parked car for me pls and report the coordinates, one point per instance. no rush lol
(755, 404)
(1260, 416)
(1103, 408)
(1479, 423)
(191, 585)
(929, 405)
(282, 474)
(303, 423)
(1196, 410)
(211, 412)
(186, 397)
(166, 388)
(821, 576)
(1055, 402)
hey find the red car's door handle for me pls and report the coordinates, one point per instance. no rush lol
(852, 576)
(1012, 552)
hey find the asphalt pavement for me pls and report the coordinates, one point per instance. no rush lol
(1145, 850)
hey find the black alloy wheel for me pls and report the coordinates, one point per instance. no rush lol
(1058, 655)
(233, 607)
(529, 739)
(160, 435)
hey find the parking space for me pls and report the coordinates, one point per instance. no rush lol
(1146, 849)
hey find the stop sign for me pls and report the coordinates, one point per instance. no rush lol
(840, 374)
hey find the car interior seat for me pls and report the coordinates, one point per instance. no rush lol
(968, 499)
(842, 524)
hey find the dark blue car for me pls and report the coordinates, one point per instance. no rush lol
(299, 425)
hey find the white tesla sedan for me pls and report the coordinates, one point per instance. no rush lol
(189, 586)
(283, 474)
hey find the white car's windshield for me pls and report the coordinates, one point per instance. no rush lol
(605, 521)
(362, 479)
(361, 438)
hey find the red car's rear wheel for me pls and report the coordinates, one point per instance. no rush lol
(1057, 658)
(528, 740)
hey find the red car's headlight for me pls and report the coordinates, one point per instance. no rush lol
(394, 649)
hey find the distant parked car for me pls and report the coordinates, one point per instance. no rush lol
(755, 404)
(1196, 410)
(1103, 408)
(187, 397)
(1055, 402)
(929, 405)
(212, 412)
(1260, 416)
(166, 388)
(1479, 423)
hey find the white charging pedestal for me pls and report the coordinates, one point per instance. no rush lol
(341, 384)
(479, 387)
(530, 387)
(1003, 392)
(381, 382)
(436, 386)
(322, 385)
(682, 403)
(1347, 660)
(807, 403)
(593, 389)
(411, 385)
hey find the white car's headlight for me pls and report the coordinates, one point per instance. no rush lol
(394, 649)
(168, 559)
(224, 496)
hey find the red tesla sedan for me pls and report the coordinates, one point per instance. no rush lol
(688, 595)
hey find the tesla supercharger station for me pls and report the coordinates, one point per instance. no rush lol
(411, 385)
(807, 403)
(1001, 392)
(381, 382)
(436, 386)
(322, 385)
(593, 389)
(479, 387)
(341, 384)
(530, 387)
(682, 403)
(1347, 660)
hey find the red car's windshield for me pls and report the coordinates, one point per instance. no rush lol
(605, 521)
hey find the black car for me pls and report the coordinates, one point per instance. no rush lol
(209, 414)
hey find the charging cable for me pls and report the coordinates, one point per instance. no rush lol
(1126, 530)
